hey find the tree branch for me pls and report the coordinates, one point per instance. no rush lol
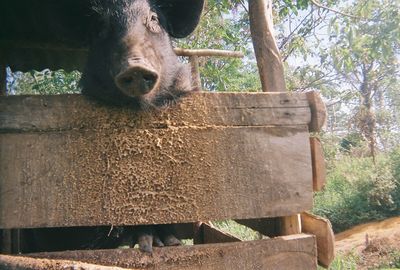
(319, 5)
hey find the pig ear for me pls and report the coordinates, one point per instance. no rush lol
(182, 16)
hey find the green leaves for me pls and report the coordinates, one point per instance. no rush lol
(45, 82)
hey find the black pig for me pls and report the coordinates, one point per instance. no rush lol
(130, 62)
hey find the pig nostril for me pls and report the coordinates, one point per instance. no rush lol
(149, 80)
(127, 80)
(136, 81)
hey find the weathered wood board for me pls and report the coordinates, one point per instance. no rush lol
(208, 234)
(66, 161)
(322, 229)
(318, 164)
(289, 252)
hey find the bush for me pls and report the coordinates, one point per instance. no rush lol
(44, 82)
(359, 191)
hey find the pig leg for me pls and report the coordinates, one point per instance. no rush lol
(144, 238)
(165, 232)
(157, 241)
(158, 236)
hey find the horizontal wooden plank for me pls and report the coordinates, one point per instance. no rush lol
(66, 112)
(134, 176)
(26, 263)
(278, 253)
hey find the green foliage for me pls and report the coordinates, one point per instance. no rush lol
(393, 262)
(224, 25)
(242, 232)
(344, 262)
(44, 82)
(359, 191)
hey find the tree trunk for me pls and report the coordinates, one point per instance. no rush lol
(367, 121)
(267, 53)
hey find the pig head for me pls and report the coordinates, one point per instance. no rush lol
(131, 60)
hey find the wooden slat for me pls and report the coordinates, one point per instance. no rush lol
(83, 178)
(297, 251)
(26, 263)
(65, 161)
(318, 164)
(318, 111)
(322, 229)
(208, 234)
(290, 225)
(195, 72)
(63, 112)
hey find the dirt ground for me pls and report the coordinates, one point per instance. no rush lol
(374, 242)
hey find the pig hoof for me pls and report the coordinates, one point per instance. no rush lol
(157, 241)
(171, 240)
(145, 240)
(157, 236)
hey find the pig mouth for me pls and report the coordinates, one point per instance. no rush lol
(137, 80)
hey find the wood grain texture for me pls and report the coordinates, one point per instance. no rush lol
(207, 53)
(26, 263)
(322, 229)
(267, 53)
(318, 111)
(277, 253)
(318, 164)
(290, 225)
(195, 72)
(65, 164)
(67, 112)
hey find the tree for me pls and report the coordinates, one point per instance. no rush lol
(364, 53)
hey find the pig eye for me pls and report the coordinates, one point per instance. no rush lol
(154, 18)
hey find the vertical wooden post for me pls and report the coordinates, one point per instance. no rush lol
(267, 53)
(3, 80)
(271, 71)
(194, 63)
(290, 225)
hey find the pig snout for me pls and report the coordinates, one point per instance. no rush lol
(136, 80)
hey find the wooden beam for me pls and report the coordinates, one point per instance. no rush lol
(267, 53)
(195, 72)
(207, 52)
(318, 164)
(65, 161)
(290, 225)
(26, 263)
(322, 229)
(66, 112)
(277, 253)
(318, 111)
